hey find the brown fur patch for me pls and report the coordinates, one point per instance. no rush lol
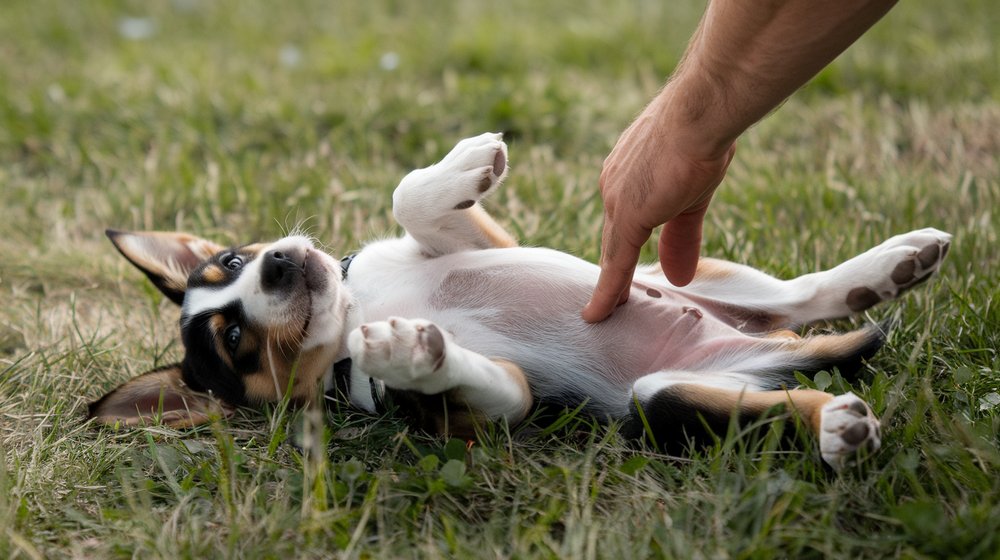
(217, 324)
(783, 333)
(253, 249)
(517, 375)
(807, 402)
(279, 362)
(835, 344)
(262, 386)
(713, 269)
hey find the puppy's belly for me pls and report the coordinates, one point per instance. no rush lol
(531, 315)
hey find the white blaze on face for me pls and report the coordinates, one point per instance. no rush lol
(209, 298)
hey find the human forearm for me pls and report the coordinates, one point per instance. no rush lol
(747, 56)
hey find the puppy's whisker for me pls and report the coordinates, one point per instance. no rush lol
(301, 228)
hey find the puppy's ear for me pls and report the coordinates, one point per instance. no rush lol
(157, 397)
(166, 258)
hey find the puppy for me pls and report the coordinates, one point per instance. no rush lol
(454, 324)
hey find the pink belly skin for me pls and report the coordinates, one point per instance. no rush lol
(539, 311)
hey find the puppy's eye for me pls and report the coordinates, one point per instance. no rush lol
(233, 338)
(233, 262)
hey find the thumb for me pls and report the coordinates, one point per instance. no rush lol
(680, 245)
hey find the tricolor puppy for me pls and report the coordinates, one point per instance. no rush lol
(454, 324)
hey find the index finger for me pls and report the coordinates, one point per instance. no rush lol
(618, 260)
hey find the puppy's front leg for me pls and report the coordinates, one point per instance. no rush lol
(415, 355)
(439, 205)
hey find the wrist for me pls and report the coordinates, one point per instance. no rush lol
(691, 109)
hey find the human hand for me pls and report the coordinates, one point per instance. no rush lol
(744, 59)
(652, 178)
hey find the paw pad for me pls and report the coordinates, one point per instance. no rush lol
(897, 265)
(499, 163)
(860, 299)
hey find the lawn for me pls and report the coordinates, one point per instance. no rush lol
(240, 120)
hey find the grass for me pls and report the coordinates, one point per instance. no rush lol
(240, 120)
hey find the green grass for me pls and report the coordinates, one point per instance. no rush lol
(201, 126)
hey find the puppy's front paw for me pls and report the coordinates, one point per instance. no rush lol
(847, 425)
(404, 353)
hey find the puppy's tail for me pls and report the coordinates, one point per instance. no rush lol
(846, 353)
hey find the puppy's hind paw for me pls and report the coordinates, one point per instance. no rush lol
(892, 268)
(847, 427)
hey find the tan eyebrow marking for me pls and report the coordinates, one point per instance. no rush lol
(213, 274)
(217, 323)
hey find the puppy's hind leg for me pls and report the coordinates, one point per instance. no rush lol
(441, 386)
(880, 274)
(757, 302)
(439, 205)
(673, 409)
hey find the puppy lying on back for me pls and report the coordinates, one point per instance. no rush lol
(454, 312)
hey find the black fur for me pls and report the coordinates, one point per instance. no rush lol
(204, 370)
(435, 414)
(674, 421)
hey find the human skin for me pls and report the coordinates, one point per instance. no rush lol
(744, 59)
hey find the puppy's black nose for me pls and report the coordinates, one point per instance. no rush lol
(280, 269)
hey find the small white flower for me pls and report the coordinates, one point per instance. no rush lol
(290, 56)
(389, 61)
(136, 28)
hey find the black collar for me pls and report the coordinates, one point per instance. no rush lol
(345, 263)
(341, 390)
(342, 369)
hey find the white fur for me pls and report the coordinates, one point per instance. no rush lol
(246, 287)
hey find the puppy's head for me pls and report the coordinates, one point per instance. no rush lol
(257, 322)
